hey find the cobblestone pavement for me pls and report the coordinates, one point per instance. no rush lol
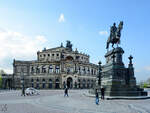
(53, 101)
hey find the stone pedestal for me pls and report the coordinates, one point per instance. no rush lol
(116, 79)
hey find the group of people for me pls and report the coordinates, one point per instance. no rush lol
(66, 94)
(97, 95)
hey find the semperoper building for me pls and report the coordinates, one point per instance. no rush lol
(56, 68)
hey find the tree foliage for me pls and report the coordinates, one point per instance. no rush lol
(145, 84)
(0, 81)
(1, 72)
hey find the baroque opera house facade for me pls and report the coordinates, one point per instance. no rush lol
(56, 68)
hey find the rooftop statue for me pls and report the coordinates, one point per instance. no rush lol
(69, 45)
(115, 34)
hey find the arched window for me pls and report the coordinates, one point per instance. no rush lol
(43, 69)
(83, 84)
(50, 69)
(69, 82)
(32, 82)
(79, 71)
(64, 84)
(88, 70)
(57, 69)
(88, 84)
(37, 69)
(92, 71)
(37, 80)
(37, 83)
(69, 58)
(50, 83)
(43, 83)
(84, 71)
(75, 84)
(32, 69)
(91, 83)
(57, 84)
(37, 86)
(79, 83)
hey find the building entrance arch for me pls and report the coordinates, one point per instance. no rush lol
(69, 82)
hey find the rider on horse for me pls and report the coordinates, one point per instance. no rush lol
(113, 30)
(115, 34)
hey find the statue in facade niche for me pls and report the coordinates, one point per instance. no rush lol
(115, 34)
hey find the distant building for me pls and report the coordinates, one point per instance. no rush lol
(56, 68)
(7, 81)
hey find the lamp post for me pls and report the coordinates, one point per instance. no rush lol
(99, 74)
(22, 82)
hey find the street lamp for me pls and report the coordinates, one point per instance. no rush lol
(22, 82)
(99, 74)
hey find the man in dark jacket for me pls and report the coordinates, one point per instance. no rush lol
(97, 97)
(66, 92)
(23, 91)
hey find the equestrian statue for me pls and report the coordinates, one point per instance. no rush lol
(115, 34)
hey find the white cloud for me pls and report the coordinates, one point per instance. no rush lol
(41, 38)
(61, 18)
(19, 46)
(147, 68)
(9, 71)
(137, 70)
(104, 33)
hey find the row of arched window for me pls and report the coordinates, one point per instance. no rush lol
(57, 80)
(43, 82)
(87, 71)
(51, 69)
(44, 69)
(81, 84)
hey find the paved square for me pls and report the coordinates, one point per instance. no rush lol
(53, 101)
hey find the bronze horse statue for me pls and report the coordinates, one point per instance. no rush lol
(115, 34)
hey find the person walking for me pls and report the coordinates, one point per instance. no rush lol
(102, 93)
(97, 97)
(66, 92)
(23, 91)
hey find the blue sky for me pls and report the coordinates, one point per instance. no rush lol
(27, 26)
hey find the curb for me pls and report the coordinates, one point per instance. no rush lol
(120, 97)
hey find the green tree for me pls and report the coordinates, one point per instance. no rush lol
(0, 81)
(148, 82)
(145, 85)
(1, 72)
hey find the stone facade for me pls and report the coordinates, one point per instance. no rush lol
(56, 68)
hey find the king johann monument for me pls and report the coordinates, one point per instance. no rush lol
(114, 77)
